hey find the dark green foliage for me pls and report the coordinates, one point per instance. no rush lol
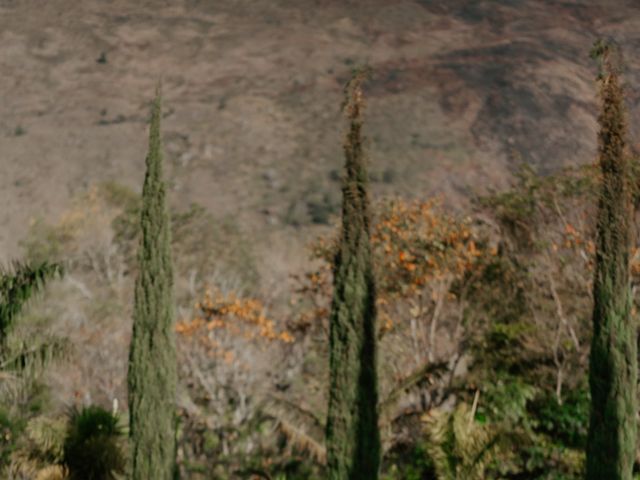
(499, 305)
(409, 462)
(17, 285)
(613, 368)
(529, 435)
(152, 373)
(566, 423)
(510, 315)
(93, 445)
(352, 436)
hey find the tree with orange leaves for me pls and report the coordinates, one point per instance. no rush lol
(420, 253)
(228, 347)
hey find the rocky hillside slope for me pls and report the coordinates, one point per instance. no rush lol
(463, 91)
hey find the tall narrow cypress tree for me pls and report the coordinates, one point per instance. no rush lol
(613, 368)
(152, 373)
(352, 436)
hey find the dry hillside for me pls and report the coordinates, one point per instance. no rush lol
(463, 91)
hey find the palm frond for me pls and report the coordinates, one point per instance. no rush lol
(29, 357)
(315, 420)
(300, 440)
(302, 428)
(18, 283)
(410, 381)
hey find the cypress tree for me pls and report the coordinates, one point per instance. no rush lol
(613, 374)
(352, 436)
(152, 375)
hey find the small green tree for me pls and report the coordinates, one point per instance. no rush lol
(611, 444)
(352, 436)
(152, 375)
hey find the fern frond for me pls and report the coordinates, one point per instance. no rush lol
(47, 436)
(460, 448)
(40, 448)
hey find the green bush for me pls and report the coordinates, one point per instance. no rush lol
(567, 422)
(409, 462)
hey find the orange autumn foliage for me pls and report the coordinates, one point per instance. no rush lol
(242, 317)
(415, 243)
(421, 243)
